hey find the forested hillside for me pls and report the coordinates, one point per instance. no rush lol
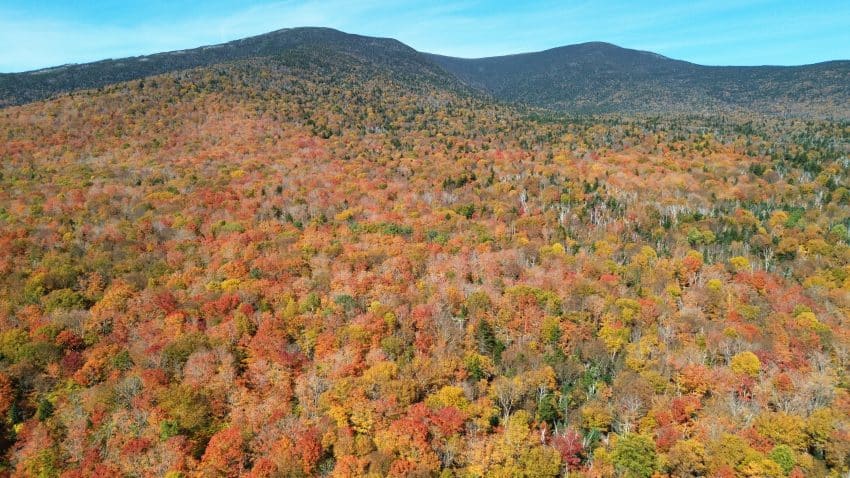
(588, 78)
(20, 88)
(317, 264)
(603, 78)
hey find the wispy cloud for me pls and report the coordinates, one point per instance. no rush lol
(705, 31)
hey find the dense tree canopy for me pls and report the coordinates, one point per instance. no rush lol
(308, 266)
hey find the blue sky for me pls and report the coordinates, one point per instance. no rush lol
(41, 33)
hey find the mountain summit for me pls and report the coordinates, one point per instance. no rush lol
(593, 77)
(600, 77)
(19, 88)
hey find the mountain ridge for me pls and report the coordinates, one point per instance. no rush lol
(600, 43)
(599, 77)
(25, 87)
(585, 78)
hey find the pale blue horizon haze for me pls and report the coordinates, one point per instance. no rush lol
(39, 34)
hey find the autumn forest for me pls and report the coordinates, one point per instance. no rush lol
(320, 263)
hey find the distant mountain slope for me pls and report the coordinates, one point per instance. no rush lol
(585, 78)
(600, 78)
(19, 88)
